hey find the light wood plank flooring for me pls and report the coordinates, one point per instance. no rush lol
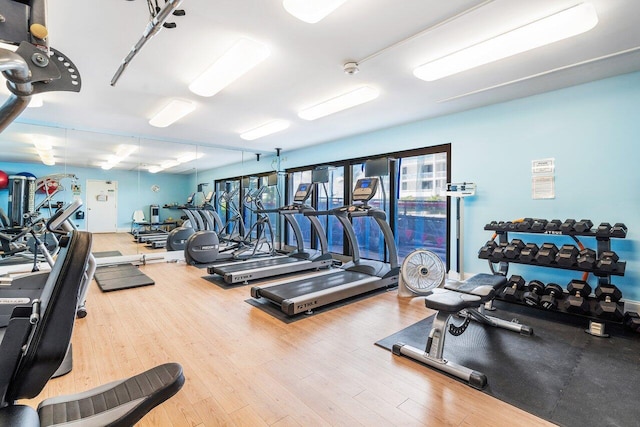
(245, 368)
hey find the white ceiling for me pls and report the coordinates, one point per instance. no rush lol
(305, 67)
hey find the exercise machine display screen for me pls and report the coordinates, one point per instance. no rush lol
(302, 193)
(190, 198)
(208, 197)
(365, 189)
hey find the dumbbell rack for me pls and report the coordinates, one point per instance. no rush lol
(502, 229)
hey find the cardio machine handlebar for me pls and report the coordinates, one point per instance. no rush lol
(56, 221)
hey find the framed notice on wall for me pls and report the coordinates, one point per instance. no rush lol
(543, 179)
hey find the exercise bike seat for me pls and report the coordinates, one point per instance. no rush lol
(119, 403)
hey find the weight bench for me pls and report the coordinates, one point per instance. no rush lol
(34, 344)
(469, 299)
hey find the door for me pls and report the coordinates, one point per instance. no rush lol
(102, 206)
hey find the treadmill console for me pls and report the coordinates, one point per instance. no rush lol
(208, 198)
(365, 189)
(302, 193)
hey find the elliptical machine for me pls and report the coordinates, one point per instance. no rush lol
(203, 247)
(177, 237)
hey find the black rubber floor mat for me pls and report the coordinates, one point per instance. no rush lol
(117, 277)
(560, 373)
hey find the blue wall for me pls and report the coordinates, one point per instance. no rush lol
(134, 189)
(591, 130)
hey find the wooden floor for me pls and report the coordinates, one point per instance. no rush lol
(245, 368)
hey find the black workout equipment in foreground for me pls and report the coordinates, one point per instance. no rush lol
(34, 67)
(36, 341)
(560, 374)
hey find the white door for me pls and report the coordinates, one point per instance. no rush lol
(102, 206)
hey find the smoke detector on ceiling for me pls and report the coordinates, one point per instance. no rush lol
(351, 68)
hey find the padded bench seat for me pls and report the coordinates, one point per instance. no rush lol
(456, 296)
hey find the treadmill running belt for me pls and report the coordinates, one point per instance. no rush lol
(250, 265)
(298, 288)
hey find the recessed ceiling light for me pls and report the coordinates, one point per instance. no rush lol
(567, 23)
(342, 102)
(235, 62)
(266, 129)
(187, 157)
(311, 11)
(172, 112)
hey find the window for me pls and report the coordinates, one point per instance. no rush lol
(412, 201)
(368, 233)
(422, 214)
(331, 196)
(296, 179)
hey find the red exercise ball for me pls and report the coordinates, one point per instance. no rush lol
(4, 180)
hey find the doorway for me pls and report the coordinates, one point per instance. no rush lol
(102, 206)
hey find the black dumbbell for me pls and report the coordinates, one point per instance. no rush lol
(582, 226)
(608, 305)
(632, 321)
(493, 225)
(603, 230)
(486, 251)
(547, 254)
(608, 261)
(535, 289)
(513, 248)
(567, 225)
(567, 256)
(539, 225)
(528, 253)
(498, 252)
(553, 225)
(586, 259)
(511, 291)
(619, 230)
(577, 301)
(552, 294)
(503, 225)
(525, 224)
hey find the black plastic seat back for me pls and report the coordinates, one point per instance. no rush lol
(51, 336)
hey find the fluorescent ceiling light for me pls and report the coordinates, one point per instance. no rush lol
(154, 169)
(339, 103)
(47, 158)
(311, 11)
(239, 59)
(266, 129)
(567, 23)
(125, 151)
(106, 166)
(172, 112)
(169, 164)
(187, 157)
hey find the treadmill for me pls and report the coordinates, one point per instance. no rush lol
(298, 260)
(354, 278)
